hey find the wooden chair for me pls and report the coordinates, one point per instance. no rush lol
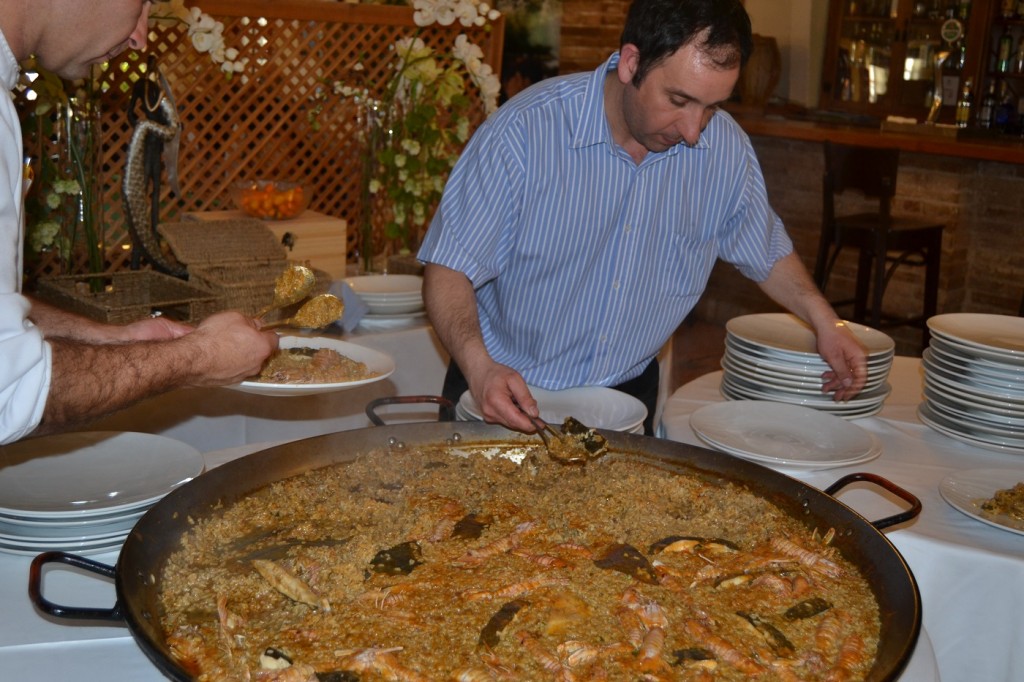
(884, 241)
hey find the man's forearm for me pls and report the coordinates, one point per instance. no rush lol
(451, 304)
(90, 381)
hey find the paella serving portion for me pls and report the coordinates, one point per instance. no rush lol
(450, 562)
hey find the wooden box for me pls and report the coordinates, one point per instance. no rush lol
(129, 296)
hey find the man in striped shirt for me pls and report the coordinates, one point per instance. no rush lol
(581, 224)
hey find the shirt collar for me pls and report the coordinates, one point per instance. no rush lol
(8, 64)
(592, 127)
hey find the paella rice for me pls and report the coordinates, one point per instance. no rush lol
(445, 564)
(312, 366)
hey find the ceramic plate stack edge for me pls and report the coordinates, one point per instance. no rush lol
(974, 380)
(783, 436)
(774, 357)
(389, 296)
(595, 406)
(84, 492)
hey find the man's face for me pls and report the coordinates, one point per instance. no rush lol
(677, 99)
(86, 33)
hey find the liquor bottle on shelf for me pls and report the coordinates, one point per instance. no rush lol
(1018, 60)
(1004, 110)
(963, 105)
(1020, 9)
(964, 10)
(1005, 53)
(1007, 8)
(987, 110)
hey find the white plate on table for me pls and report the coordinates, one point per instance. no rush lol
(928, 416)
(596, 406)
(966, 490)
(1001, 335)
(376, 361)
(783, 434)
(74, 475)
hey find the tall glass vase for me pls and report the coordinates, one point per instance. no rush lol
(82, 219)
(377, 130)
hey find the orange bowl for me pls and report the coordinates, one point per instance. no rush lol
(270, 199)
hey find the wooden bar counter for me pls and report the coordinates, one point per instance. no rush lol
(966, 144)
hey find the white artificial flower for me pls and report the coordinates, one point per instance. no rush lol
(465, 12)
(411, 146)
(203, 41)
(374, 186)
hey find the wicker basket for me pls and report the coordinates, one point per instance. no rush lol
(129, 296)
(238, 260)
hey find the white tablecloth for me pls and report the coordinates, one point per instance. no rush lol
(970, 574)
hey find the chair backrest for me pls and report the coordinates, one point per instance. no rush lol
(870, 171)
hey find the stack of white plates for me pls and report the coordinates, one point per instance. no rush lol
(83, 492)
(974, 379)
(595, 406)
(773, 356)
(783, 436)
(389, 296)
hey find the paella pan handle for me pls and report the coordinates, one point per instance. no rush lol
(445, 414)
(35, 584)
(909, 498)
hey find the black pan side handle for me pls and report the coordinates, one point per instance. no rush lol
(35, 588)
(906, 496)
(445, 414)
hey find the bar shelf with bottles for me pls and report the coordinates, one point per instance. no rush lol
(883, 57)
(1002, 92)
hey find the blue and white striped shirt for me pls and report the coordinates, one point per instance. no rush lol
(583, 262)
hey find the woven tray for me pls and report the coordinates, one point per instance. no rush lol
(238, 260)
(129, 296)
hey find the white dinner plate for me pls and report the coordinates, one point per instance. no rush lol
(595, 406)
(384, 286)
(964, 374)
(92, 472)
(1001, 333)
(787, 332)
(782, 434)
(389, 294)
(966, 490)
(80, 548)
(376, 361)
(958, 432)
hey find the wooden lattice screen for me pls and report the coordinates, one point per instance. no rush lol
(256, 123)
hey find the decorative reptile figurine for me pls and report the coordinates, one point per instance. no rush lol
(154, 140)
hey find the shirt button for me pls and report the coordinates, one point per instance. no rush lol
(629, 228)
(615, 285)
(604, 339)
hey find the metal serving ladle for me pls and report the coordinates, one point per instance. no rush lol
(316, 313)
(291, 286)
(576, 443)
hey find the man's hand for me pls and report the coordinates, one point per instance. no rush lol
(503, 396)
(230, 348)
(848, 359)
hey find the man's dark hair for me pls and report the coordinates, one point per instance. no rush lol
(659, 28)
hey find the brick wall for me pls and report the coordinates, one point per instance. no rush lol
(590, 32)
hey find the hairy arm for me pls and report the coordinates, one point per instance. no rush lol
(790, 285)
(90, 380)
(451, 304)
